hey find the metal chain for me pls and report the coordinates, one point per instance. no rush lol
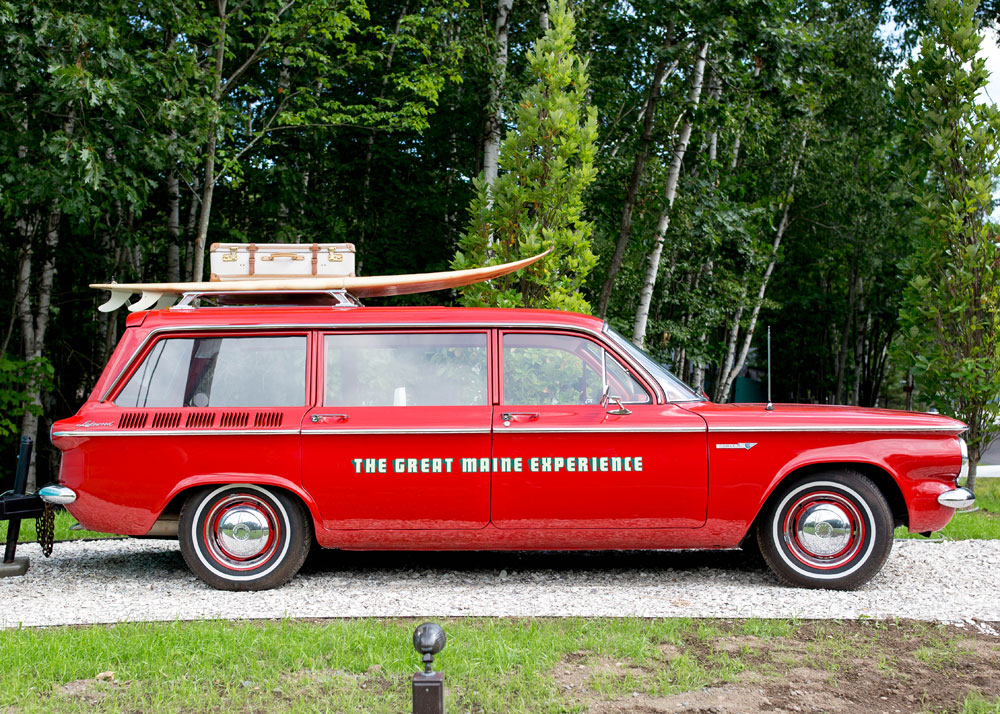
(45, 524)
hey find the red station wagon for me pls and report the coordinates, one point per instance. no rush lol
(253, 433)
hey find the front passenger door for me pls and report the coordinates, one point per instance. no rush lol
(565, 461)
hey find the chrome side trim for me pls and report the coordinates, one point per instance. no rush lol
(59, 495)
(832, 427)
(657, 389)
(178, 432)
(603, 429)
(306, 432)
(958, 498)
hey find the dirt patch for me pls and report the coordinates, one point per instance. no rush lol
(835, 667)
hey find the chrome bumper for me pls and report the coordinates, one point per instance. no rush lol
(958, 498)
(58, 495)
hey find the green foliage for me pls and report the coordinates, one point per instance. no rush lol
(951, 306)
(19, 381)
(536, 203)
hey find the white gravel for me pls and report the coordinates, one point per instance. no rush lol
(131, 580)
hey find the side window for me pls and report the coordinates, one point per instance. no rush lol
(406, 370)
(563, 369)
(220, 372)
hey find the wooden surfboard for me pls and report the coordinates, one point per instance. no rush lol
(163, 294)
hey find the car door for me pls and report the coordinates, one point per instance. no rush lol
(396, 414)
(565, 461)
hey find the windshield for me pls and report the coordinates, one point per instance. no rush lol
(674, 388)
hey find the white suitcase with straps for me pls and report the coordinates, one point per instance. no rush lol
(249, 261)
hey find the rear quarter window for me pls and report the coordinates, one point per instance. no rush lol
(265, 371)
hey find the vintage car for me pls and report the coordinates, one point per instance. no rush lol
(254, 433)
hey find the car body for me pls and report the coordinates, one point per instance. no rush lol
(253, 432)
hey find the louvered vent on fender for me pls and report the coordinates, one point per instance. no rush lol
(132, 420)
(199, 420)
(267, 419)
(233, 419)
(166, 420)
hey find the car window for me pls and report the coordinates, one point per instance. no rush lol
(406, 370)
(220, 372)
(563, 369)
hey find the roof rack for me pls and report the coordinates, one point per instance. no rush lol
(222, 297)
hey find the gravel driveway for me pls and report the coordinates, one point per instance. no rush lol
(128, 580)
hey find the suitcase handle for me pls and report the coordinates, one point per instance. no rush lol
(272, 256)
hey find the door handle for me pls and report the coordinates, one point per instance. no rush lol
(317, 418)
(508, 417)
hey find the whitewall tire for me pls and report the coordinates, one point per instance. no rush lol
(829, 530)
(244, 537)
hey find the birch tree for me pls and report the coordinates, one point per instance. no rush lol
(536, 202)
(494, 117)
(670, 193)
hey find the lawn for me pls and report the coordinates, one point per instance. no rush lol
(64, 520)
(983, 524)
(501, 665)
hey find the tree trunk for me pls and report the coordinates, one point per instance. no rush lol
(728, 376)
(494, 121)
(189, 231)
(845, 338)
(198, 262)
(173, 227)
(638, 167)
(653, 266)
(543, 15)
(35, 326)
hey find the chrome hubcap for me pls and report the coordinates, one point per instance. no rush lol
(243, 532)
(824, 529)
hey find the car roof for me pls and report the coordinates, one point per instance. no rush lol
(321, 316)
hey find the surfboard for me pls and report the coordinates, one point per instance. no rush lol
(159, 295)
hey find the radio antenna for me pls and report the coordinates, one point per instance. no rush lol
(770, 406)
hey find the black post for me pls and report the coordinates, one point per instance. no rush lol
(20, 565)
(428, 686)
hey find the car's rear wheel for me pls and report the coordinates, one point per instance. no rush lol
(827, 530)
(244, 537)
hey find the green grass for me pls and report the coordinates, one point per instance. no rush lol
(983, 524)
(349, 665)
(64, 520)
(509, 666)
(976, 704)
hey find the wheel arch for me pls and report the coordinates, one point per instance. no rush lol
(171, 509)
(882, 479)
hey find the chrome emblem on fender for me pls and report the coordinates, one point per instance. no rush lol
(89, 423)
(747, 445)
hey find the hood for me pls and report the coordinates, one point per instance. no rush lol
(820, 417)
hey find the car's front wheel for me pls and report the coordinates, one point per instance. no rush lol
(827, 530)
(244, 537)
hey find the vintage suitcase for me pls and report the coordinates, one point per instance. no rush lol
(242, 261)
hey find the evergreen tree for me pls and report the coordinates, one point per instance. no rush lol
(951, 307)
(536, 203)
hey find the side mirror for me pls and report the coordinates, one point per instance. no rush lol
(607, 401)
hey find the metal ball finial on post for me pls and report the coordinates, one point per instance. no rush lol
(428, 686)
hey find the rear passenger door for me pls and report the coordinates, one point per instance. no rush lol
(396, 413)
